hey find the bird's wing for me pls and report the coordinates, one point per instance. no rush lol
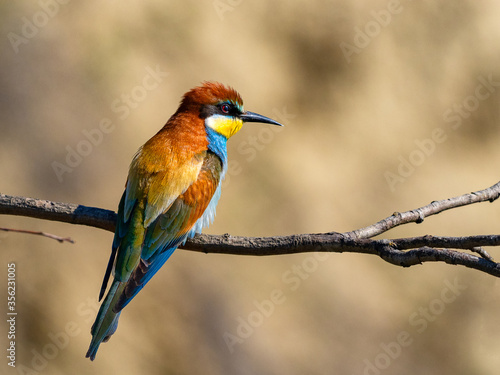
(141, 250)
(152, 187)
(160, 178)
(173, 226)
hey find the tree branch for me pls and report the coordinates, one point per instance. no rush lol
(55, 211)
(403, 252)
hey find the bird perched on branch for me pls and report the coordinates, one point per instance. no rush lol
(173, 186)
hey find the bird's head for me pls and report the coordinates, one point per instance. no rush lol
(221, 108)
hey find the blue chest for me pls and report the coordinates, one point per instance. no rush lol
(217, 143)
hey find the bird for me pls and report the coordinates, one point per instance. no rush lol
(171, 193)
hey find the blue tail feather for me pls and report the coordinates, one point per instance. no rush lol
(107, 320)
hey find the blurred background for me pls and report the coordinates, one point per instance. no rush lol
(388, 105)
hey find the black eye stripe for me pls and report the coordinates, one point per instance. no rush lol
(228, 108)
(223, 108)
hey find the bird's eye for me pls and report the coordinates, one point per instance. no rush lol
(225, 108)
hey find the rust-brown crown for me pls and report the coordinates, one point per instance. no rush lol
(210, 93)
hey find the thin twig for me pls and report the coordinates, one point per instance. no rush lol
(418, 215)
(483, 253)
(48, 235)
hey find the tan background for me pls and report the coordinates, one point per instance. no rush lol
(350, 123)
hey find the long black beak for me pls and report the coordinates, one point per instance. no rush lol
(255, 117)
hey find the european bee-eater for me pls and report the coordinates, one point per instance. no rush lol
(172, 189)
